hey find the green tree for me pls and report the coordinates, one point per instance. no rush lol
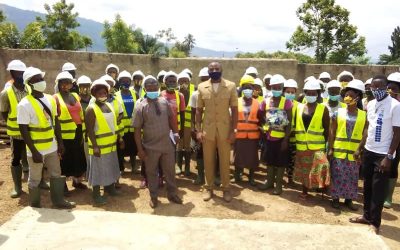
(325, 29)
(394, 56)
(9, 35)
(150, 45)
(59, 27)
(176, 53)
(33, 37)
(119, 37)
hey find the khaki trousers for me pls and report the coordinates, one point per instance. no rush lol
(50, 161)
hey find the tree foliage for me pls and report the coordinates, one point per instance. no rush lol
(59, 27)
(33, 37)
(119, 37)
(326, 30)
(394, 50)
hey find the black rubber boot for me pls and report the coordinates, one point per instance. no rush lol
(237, 175)
(16, 173)
(251, 177)
(110, 189)
(179, 160)
(34, 197)
(57, 193)
(187, 163)
(270, 179)
(98, 199)
(278, 180)
(200, 173)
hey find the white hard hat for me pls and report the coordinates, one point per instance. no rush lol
(309, 79)
(124, 74)
(161, 73)
(312, 85)
(16, 65)
(138, 73)
(258, 82)
(267, 76)
(290, 83)
(344, 73)
(183, 75)
(168, 74)
(324, 75)
(100, 82)
(187, 71)
(30, 72)
(84, 80)
(356, 84)
(394, 77)
(68, 66)
(277, 79)
(369, 81)
(64, 75)
(149, 77)
(108, 78)
(112, 66)
(203, 72)
(251, 70)
(333, 84)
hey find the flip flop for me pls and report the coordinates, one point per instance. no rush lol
(359, 220)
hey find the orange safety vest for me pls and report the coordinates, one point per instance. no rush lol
(248, 128)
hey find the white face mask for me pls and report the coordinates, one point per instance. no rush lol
(311, 99)
(102, 99)
(39, 86)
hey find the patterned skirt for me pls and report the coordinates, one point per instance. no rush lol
(312, 169)
(344, 178)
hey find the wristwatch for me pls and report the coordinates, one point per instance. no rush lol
(390, 156)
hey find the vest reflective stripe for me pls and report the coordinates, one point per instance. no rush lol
(42, 134)
(12, 125)
(275, 133)
(126, 121)
(188, 111)
(178, 109)
(68, 126)
(343, 147)
(313, 138)
(105, 138)
(121, 126)
(294, 110)
(248, 129)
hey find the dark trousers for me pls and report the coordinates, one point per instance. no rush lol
(18, 148)
(375, 183)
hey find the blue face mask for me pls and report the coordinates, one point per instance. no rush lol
(276, 93)
(152, 94)
(215, 75)
(311, 99)
(379, 94)
(248, 93)
(290, 96)
(125, 85)
(334, 97)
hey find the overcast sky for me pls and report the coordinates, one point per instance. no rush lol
(249, 25)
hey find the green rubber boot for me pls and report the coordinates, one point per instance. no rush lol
(279, 180)
(110, 189)
(251, 177)
(179, 160)
(43, 185)
(98, 199)
(16, 173)
(34, 197)
(270, 179)
(57, 193)
(200, 173)
(389, 194)
(187, 163)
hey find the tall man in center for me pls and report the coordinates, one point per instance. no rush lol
(218, 101)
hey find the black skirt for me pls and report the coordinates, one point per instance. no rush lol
(273, 156)
(246, 153)
(73, 162)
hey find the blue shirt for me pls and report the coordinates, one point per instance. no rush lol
(128, 103)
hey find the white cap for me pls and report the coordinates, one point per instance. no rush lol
(161, 73)
(112, 66)
(100, 82)
(369, 81)
(324, 75)
(290, 83)
(277, 79)
(344, 73)
(138, 73)
(108, 78)
(267, 76)
(258, 82)
(124, 74)
(187, 71)
(64, 75)
(356, 84)
(84, 80)
(30, 72)
(183, 75)
(394, 77)
(168, 74)
(16, 65)
(309, 79)
(251, 70)
(203, 72)
(68, 66)
(312, 85)
(333, 84)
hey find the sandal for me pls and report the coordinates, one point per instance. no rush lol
(359, 220)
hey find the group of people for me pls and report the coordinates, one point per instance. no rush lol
(324, 137)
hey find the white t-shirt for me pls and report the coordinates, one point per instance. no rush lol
(193, 99)
(382, 117)
(215, 86)
(27, 115)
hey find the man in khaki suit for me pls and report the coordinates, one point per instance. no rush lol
(218, 98)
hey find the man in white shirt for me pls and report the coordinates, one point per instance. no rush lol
(382, 139)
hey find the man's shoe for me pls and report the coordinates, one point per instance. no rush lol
(175, 199)
(227, 196)
(208, 194)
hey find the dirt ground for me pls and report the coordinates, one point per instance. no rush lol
(248, 203)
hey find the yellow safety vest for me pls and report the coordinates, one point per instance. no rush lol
(292, 133)
(126, 121)
(105, 138)
(343, 147)
(42, 134)
(275, 133)
(68, 126)
(341, 104)
(260, 99)
(313, 138)
(188, 111)
(121, 125)
(12, 125)
(178, 108)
